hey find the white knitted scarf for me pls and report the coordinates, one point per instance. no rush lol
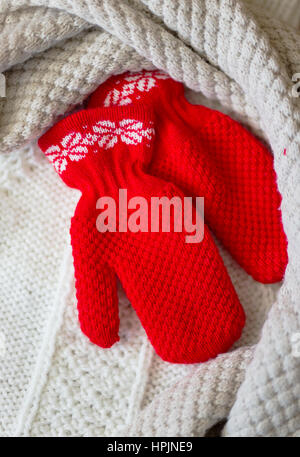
(241, 56)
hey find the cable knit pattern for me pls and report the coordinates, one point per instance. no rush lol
(90, 52)
(33, 30)
(74, 68)
(235, 56)
(209, 388)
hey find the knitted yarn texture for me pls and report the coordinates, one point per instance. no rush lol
(240, 58)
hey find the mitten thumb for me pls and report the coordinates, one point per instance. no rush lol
(96, 287)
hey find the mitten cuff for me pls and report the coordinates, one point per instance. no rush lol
(83, 122)
(129, 88)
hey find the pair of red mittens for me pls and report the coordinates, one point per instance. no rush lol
(181, 292)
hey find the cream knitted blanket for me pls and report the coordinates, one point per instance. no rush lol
(233, 54)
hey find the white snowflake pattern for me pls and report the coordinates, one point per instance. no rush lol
(73, 146)
(105, 133)
(135, 84)
(129, 131)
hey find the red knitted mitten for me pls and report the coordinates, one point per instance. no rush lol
(206, 153)
(180, 291)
